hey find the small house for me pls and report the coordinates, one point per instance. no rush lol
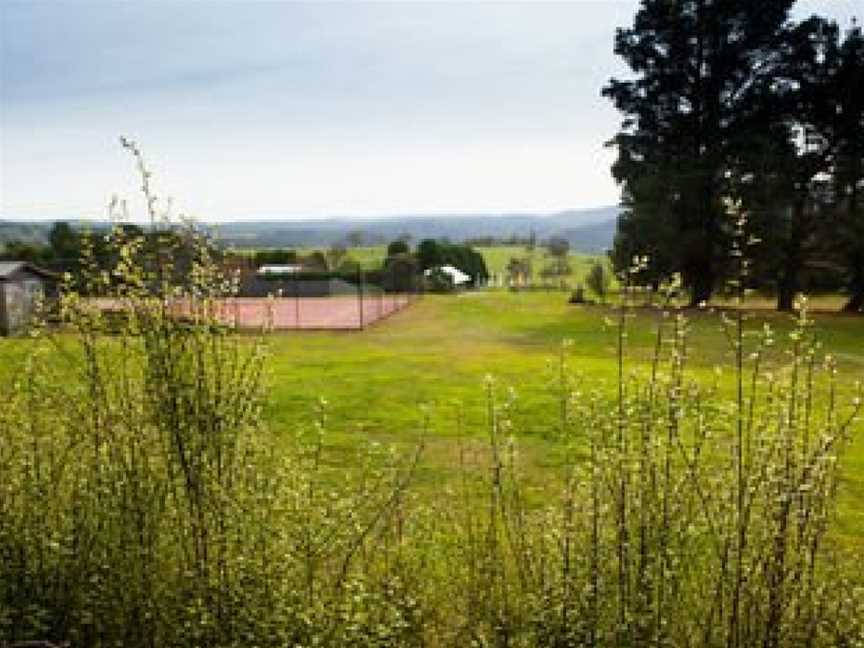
(22, 284)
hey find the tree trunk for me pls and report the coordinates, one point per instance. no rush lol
(786, 291)
(788, 285)
(855, 303)
(702, 266)
(856, 288)
(703, 287)
(856, 283)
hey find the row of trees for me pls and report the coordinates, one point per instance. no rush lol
(529, 241)
(520, 269)
(399, 268)
(68, 248)
(733, 101)
(63, 247)
(336, 258)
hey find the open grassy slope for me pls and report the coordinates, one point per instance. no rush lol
(498, 257)
(433, 359)
(435, 356)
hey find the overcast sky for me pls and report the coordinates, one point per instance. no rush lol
(278, 110)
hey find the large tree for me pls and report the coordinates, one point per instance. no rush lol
(781, 177)
(702, 73)
(847, 161)
(802, 185)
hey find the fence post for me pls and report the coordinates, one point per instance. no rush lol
(296, 301)
(360, 281)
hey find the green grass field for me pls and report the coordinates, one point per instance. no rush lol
(433, 359)
(497, 258)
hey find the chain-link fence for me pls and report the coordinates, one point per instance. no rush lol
(321, 300)
(306, 300)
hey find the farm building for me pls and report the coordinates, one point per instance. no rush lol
(21, 285)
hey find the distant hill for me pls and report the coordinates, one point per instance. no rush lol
(27, 232)
(587, 230)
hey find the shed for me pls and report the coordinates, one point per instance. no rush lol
(22, 284)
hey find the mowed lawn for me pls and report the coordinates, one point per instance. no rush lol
(426, 370)
(431, 363)
(497, 258)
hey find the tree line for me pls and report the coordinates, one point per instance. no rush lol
(65, 244)
(734, 103)
(62, 251)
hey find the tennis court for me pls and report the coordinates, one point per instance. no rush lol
(333, 312)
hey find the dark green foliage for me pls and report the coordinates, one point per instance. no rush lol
(577, 296)
(848, 174)
(704, 73)
(275, 257)
(398, 247)
(61, 252)
(20, 251)
(432, 253)
(65, 242)
(429, 254)
(316, 262)
(401, 269)
(797, 180)
(733, 102)
(598, 280)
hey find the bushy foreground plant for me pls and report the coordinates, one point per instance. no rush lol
(691, 515)
(142, 503)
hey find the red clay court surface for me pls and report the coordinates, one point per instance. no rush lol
(343, 312)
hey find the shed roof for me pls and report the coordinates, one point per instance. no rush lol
(8, 268)
(284, 268)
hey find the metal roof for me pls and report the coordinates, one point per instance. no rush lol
(8, 268)
(286, 268)
(456, 275)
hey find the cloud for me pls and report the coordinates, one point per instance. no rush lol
(309, 108)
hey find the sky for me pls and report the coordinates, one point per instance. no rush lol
(273, 110)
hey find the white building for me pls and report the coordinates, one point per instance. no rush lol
(286, 268)
(458, 277)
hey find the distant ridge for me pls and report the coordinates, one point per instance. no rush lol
(587, 230)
